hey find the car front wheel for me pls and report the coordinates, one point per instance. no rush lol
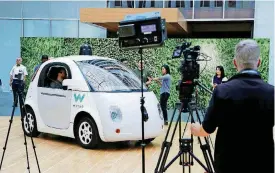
(87, 133)
(30, 124)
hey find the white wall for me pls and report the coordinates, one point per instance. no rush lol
(264, 28)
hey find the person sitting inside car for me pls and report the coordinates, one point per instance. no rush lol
(60, 77)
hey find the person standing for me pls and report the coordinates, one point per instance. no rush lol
(219, 77)
(165, 82)
(146, 75)
(242, 109)
(18, 75)
(44, 58)
(1, 89)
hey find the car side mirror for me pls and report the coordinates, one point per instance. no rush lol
(72, 84)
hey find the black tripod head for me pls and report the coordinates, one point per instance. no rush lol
(185, 144)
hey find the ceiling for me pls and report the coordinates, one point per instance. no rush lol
(110, 17)
(176, 25)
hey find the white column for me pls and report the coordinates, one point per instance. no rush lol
(264, 28)
(223, 8)
(193, 15)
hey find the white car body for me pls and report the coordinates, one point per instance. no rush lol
(56, 110)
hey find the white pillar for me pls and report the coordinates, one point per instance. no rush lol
(264, 28)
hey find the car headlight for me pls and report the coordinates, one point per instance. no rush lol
(160, 112)
(115, 114)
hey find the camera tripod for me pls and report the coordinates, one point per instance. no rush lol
(23, 112)
(186, 144)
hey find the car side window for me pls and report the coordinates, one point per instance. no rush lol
(53, 74)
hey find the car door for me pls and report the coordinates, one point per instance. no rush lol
(54, 104)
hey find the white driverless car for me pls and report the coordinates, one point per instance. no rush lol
(98, 101)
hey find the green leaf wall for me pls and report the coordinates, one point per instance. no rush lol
(220, 50)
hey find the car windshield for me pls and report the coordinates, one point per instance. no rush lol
(109, 76)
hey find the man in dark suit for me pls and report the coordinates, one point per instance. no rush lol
(243, 111)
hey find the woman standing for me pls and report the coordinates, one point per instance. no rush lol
(165, 83)
(219, 77)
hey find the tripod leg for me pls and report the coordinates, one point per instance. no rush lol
(27, 120)
(189, 166)
(206, 148)
(184, 158)
(192, 138)
(167, 145)
(204, 152)
(6, 142)
(193, 108)
(164, 144)
(172, 161)
(181, 157)
(182, 161)
(193, 156)
(25, 139)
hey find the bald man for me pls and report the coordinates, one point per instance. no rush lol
(242, 112)
(18, 75)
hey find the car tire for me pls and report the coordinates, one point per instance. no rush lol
(87, 134)
(32, 120)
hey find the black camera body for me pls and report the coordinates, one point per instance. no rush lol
(142, 31)
(189, 69)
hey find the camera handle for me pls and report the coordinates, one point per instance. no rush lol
(203, 87)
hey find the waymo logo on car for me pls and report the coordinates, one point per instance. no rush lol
(79, 97)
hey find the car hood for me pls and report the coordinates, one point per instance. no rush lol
(129, 105)
(125, 100)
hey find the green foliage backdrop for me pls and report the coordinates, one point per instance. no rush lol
(220, 50)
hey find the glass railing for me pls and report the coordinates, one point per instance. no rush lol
(135, 4)
(239, 9)
(208, 9)
(186, 7)
(149, 4)
(211, 9)
(120, 4)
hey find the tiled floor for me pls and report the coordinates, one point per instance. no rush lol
(63, 155)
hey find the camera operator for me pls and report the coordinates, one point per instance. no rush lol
(18, 75)
(243, 110)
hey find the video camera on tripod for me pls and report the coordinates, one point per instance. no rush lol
(189, 69)
(190, 72)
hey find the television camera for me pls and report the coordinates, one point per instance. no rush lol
(189, 69)
(190, 72)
